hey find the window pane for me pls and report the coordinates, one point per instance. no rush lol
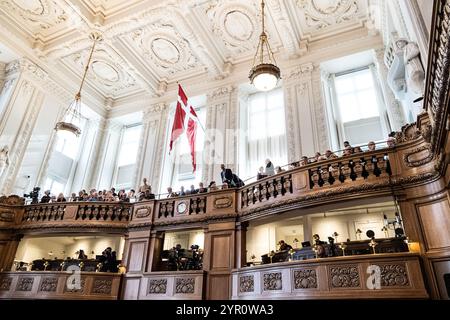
(356, 96)
(130, 146)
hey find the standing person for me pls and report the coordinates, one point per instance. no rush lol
(226, 174)
(270, 170)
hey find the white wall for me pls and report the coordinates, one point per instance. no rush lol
(186, 239)
(62, 247)
(264, 238)
(37, 147)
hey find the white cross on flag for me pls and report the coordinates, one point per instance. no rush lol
(185, 119)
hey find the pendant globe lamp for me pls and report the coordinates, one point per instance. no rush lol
(72, 114)
(265, 74)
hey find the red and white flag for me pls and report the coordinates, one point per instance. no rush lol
(185, 112)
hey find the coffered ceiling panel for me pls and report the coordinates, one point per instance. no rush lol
(108, 71)
(41, 19)
(161, 45)
(151, 43)
(317, 18)
(235, 27)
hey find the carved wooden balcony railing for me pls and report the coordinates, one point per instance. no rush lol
(171, 285)
(40, 213)
(57, 285)
(356, 167)
(266, 189)
(364, 174)
(181, 208)
(104, 212)
(349, 277)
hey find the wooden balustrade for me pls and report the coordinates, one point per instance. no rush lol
(350, 277)
(181, 208)
(266, 189)
(352, 168)
(104, 211)
(358, 175)
(171, 285)
(40, 213)
(58, 285)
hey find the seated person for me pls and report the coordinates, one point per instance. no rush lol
(371, 145)
(193, 190)
(330, 155)
(212, 186)
(46, 197)
(82, 255)
(61, 198)
(182, 192)
(201, 188)
(170, 193)
(304, 161)
(284, 246)
(348, 151)
(391, 142)
(357, 150)
(261, 174)
(278, 170)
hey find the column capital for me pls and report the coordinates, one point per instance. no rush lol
(24, 65)
(154, 109)
(304, 70)
(220, 93)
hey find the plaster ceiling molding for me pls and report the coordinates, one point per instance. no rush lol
(289, 35)
(237, 23)
(319, 15)
(161, 44)
(35, 15)
(108, 72)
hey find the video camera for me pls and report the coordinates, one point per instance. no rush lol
(34, 195)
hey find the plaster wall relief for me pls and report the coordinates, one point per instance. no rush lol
(221, 122)
(106, 159)
(151, 145)
(306, 123)
(393, 106)
(22, 137)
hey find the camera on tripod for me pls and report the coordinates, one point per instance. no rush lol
(34, 195)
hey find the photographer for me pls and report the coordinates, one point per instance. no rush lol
(34, 195)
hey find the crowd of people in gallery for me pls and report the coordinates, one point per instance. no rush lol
(229, 179)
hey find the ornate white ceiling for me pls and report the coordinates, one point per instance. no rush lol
(149, 44)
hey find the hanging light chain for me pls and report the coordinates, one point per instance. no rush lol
(263, 43)
(95, 37)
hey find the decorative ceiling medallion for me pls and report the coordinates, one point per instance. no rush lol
(110, 72)
(41, 14)
(165, 50)
(324, 13)
(326, 7)
(238, 25)
(33, 7)
(105, 71)
(162, 44)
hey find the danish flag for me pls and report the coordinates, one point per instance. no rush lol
(186, 119)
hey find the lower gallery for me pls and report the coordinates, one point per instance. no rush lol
(146, 186)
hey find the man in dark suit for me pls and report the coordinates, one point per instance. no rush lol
(226, 174)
